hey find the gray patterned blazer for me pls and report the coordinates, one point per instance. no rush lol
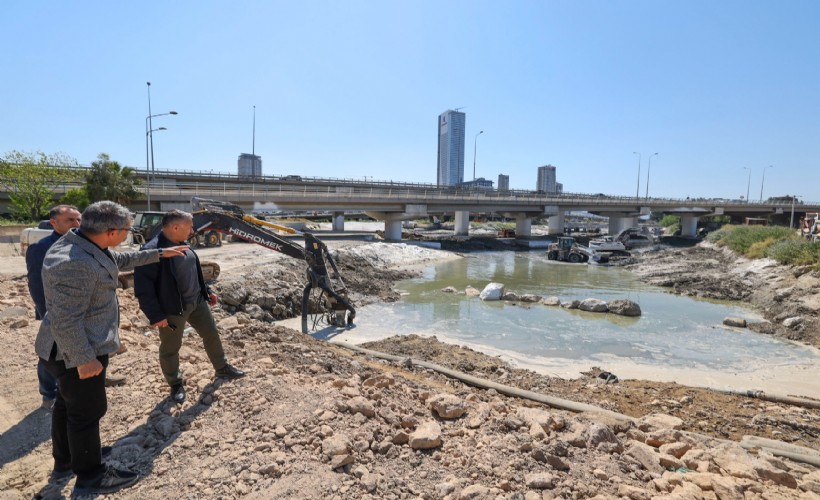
(80, 284)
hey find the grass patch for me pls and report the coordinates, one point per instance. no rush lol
(779, 243)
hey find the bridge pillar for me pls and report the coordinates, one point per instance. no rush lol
(462, 223)
(618, 223)
(338, 221)
(523, 226)
(392, 228)
(688, 225)
(556, 224)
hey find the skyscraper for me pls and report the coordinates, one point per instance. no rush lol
(546, 179)
(249, 166)
(503, 182)
(450, 163)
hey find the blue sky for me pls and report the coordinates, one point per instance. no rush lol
(353, 89)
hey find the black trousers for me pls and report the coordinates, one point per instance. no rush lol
(75, 420)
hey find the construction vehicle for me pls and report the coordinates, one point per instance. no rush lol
(146, 225)
(567, 250)
(810, 226)
(330, 303)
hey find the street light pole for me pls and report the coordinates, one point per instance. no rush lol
(648, 168)
(149, 143)
(762, 181)
(638, 189)
(748, 182)
(791, 221)
(475, 145)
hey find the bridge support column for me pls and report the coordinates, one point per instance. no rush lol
(618, 223)
(556, 224)
(392, 228)
(338, 221)
(462, 223)
(523, 226)
(688, 225)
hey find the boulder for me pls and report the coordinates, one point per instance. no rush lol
(530, 297)
(449, 289)
(493, 291)
(593, 305)
(426, 436)
(233, 293)
(510, 297)
(624, 307)
(551, 301)
(447, 406)
(792, 322)
(471, 291)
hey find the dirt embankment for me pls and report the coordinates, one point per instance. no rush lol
(314, 420)
(788, 296)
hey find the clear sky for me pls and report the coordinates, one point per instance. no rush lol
(353, 89)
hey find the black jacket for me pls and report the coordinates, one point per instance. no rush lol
(156, 287)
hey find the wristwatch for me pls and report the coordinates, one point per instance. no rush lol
(160, 252)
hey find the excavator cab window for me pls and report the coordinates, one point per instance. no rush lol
(565, 242)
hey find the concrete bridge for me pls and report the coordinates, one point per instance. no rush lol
(395, 202)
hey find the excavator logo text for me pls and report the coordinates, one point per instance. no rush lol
(256, 239)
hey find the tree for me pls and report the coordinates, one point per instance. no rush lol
(32, 178)
(77, 197)
(108, 180)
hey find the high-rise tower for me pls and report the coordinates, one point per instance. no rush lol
(546, 179)
(450, 163)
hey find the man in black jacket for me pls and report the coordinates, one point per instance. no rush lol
(172, 293)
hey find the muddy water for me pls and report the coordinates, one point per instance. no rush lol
(676, 337)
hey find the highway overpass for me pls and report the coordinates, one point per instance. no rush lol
(394, 202)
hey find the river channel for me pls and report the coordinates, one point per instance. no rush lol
(677, 338)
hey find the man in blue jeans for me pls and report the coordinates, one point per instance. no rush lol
(63, 218)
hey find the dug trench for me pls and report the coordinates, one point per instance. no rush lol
(315, 420)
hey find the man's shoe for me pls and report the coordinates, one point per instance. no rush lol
(178, 393)
(112, 380)
(109, 481)
(229, 371)
(63, 471)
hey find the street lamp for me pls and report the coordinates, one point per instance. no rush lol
(762, 181)
(748, 182)
(149, 138)
(638, 189)
(475, 144)
(648, 167)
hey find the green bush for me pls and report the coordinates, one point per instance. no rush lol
(669, 220)
(795, 251)
(741, 238)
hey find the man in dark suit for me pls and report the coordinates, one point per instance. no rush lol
(63, 218)
(79, 332)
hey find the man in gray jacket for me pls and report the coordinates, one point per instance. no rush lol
(79, 331)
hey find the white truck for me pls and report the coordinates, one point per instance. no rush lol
(32, 235)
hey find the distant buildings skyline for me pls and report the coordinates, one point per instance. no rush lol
(503, 182)
(249, 166)
(546, 181)
(450, 159)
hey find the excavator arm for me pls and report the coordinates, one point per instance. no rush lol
(229, 219)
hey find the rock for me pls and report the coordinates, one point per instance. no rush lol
(228, 323)
(447, 406)
(783, 293)
(551, 301)
(449, 289)
(734, 321)
(792, 322)
(510, 297)
(426, 436)
(659, 421)
(677, 450)
(530, 298)
(233, 293)
(624, 307)
(572, 304)
(646, 455)
(474, 491)
(471, 292)
(493, 291)
(380, 381)
(359, 404)
(340, 461)
(593, 305)
(602, 437)
(540, 481)
(632, 492)
(477, 415)
(20, 323)
(13, 312)
(338, 444)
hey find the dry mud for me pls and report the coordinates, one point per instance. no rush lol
(315, 420)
